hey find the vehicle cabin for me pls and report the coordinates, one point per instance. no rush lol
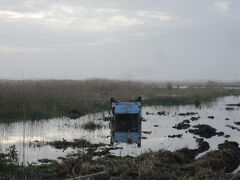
(126, 121)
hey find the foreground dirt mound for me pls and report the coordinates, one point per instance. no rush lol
(226, 159)
(180, 164)
(162, 164)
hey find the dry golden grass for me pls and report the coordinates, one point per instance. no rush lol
(54, 98)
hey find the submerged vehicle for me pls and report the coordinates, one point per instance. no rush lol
(126, 121)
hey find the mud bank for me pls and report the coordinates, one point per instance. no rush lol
(162, 164)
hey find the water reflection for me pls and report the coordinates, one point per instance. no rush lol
(126, 129)
(155, 129)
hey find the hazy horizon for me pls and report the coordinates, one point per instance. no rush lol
(127, 40)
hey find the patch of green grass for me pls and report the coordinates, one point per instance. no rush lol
(129, 140)
(77, 143)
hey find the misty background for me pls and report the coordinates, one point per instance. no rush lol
(120, 39)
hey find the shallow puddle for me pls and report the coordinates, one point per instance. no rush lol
(156, 129)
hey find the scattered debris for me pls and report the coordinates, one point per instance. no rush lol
(230, 108)
(227, 136)
(146, 132)
(175, 136)
(62, 158)
(198, 139)
(148, 113)
(188, 114)
(220, 133)
(144, 120)
(162, 113)
(233, 127)
(210, 117)
(238, 105)
(114, 148)
(45, 161)
(181, 125)
(237, 123)
(186, 121)
(194, 118)
(105, 151)
(37, 144)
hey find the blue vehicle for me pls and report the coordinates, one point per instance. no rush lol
(126, 121)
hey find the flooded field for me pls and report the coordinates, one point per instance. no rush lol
(157, 130)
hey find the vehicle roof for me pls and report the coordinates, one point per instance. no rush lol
(127, 107)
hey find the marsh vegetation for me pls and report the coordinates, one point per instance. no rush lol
(162, 164)
(44, 99)
(186, 118)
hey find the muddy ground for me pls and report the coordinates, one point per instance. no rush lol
(162, 164)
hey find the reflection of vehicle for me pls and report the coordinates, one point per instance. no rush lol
(126, 121)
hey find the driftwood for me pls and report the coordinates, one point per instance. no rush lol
(96, 176)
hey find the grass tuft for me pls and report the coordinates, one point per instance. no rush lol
(91, 126)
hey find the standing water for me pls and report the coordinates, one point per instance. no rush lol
(155, 131)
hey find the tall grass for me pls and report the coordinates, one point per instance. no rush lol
(54, 98)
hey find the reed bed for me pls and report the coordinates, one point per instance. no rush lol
(43, 99)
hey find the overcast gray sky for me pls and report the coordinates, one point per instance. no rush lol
(120, 39)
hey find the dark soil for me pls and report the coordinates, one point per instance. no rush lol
(175, 136)
(203, 130)
(181, 125)
(146, 132)
(227, 136)
(188, 114)
(233, 127)
(186, 121)
(162, 113)
(238, 105)
(162, 164)
(230, 108)
(148, 113)
(220, 133)
(194, 118)
(45, 160)
(210, 117)
(202, 146)
(237, 123)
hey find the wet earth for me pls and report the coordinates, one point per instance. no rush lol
(199, 128)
